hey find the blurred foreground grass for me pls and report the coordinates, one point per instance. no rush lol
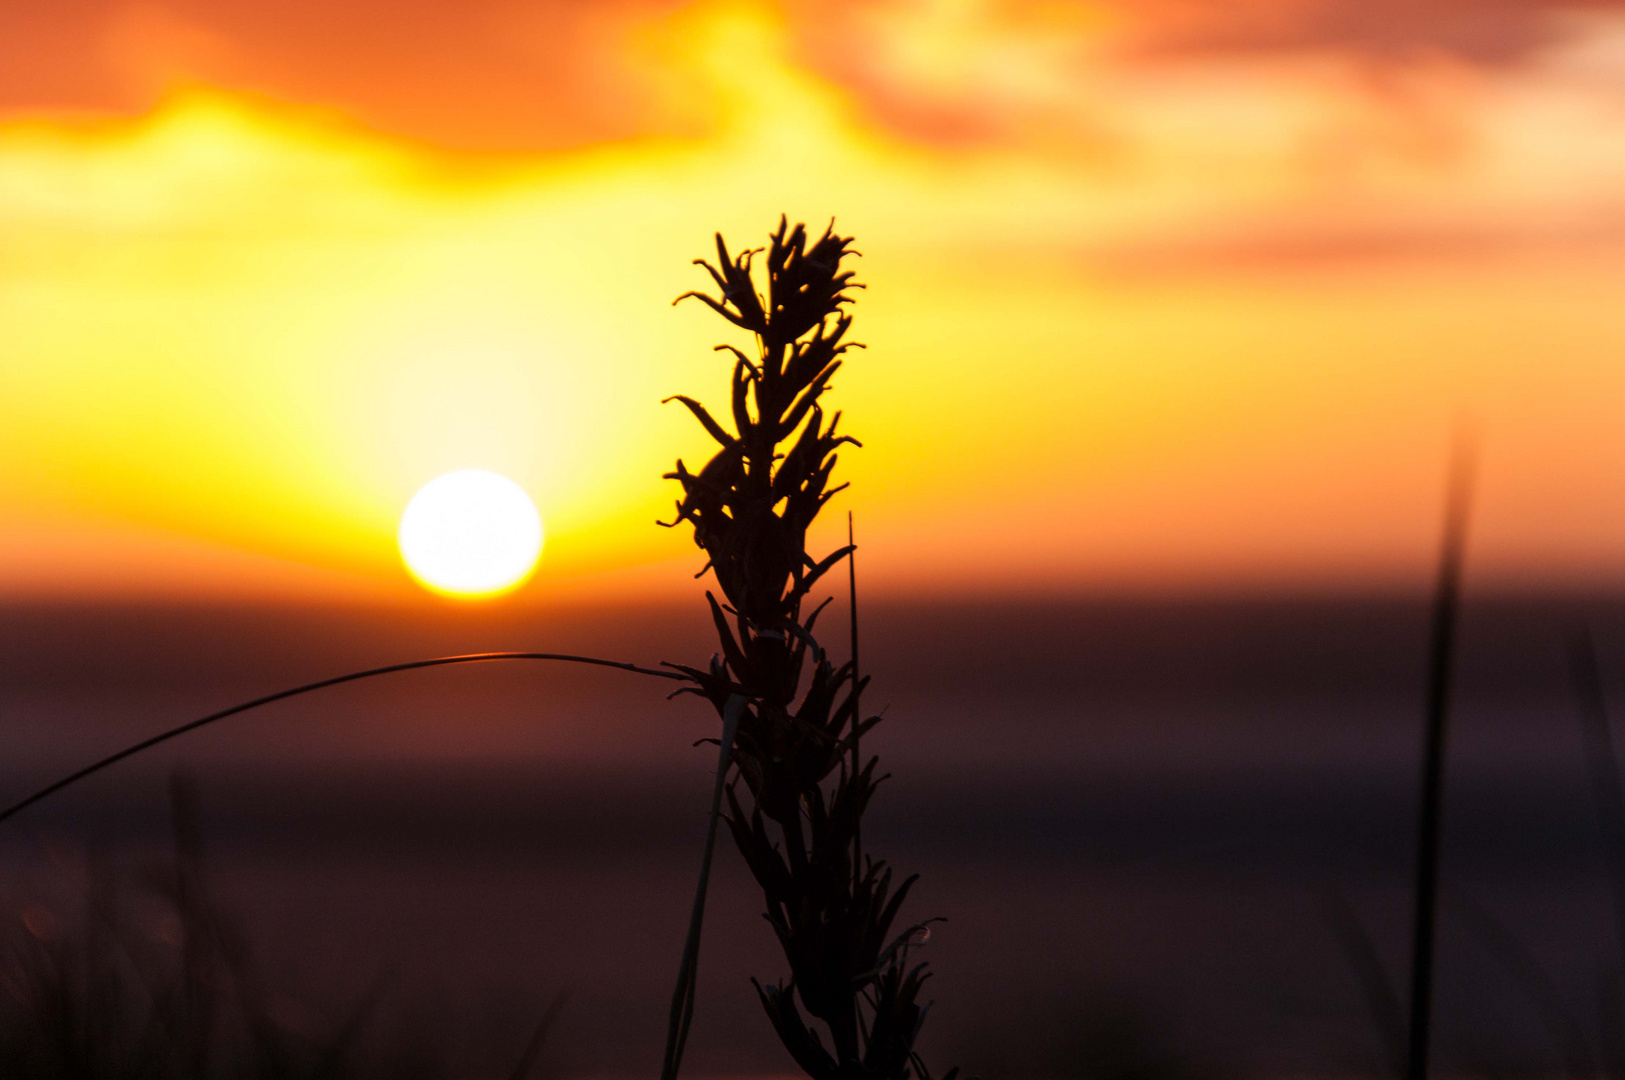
(149, 976)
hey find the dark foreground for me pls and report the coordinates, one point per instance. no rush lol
(1160, 831)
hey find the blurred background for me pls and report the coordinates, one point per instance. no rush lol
(1172, 311)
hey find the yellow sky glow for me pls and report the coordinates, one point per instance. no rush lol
(1187, 323)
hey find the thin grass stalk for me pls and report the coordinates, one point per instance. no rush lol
(857, 677)
(322, 684)
(538, 1039)
(1365, 961)
(1530, 977)
(688, 971)
(1609, 793)
(1603, 765)
(1610, 991)
(1446, 604)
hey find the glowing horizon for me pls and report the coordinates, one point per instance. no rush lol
(1217, 336)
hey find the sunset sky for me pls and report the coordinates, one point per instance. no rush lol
(1161, 295)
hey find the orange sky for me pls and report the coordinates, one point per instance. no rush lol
(1168, 295)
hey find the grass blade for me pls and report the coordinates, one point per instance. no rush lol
(1446, 602)
(538, 1039)
(682, 999)
(281, 695)
(857, 684)
(1365, 960)
(1609, 793)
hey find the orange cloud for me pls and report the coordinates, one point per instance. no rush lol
(499, 74)
(481, 75)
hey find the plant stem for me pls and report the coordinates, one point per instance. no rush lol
(857, 685)
(688, 971)
(280, 695)
(1610, 803)
(1446, 602)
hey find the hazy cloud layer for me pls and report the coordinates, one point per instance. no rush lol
(485, 74)
(1485, 31)
(507, 75)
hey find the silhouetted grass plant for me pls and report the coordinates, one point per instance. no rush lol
(795, 787)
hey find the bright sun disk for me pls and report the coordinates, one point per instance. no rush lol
(471, 533)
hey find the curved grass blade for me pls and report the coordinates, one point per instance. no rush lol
(354, 676)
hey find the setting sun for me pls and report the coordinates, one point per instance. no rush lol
(471, 533)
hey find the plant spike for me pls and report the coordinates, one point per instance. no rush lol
(797, 787)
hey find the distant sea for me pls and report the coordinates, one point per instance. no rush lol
(1159, 830)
